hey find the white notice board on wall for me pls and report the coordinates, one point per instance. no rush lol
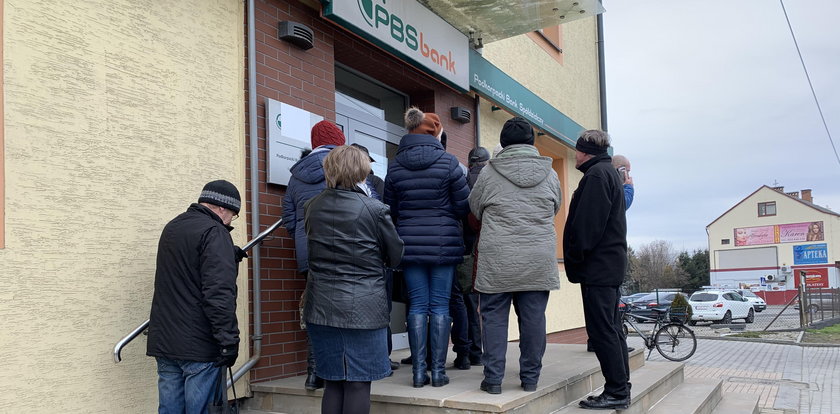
(288, 130)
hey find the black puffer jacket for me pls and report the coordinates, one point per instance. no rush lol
(351, 240)
(194, 306)
(595, 237)
(307, 181)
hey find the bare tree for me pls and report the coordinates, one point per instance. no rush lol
(655, 266)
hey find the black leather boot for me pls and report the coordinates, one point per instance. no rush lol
(462, 361)
(439, 326)
(417, 337)
(312, 381)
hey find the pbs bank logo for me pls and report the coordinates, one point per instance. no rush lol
(378, 17)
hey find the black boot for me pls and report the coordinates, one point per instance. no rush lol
(462, 361)
(417, 337)
(312, 381)
(439, 326)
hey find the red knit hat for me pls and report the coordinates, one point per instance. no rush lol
(326, 133)
(430, 125)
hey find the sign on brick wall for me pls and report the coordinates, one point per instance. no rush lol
(288, 129)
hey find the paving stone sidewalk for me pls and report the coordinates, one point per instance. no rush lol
(787, 378)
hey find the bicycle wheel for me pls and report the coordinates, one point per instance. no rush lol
(675, 342)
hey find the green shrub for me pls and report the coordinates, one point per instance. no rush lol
(681, 309)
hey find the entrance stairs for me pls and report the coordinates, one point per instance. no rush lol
(568, 375)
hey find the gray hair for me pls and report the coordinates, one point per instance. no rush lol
(619, 160)
(597, 137)
(413, 118)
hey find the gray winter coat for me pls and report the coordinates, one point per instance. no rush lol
(516, 198)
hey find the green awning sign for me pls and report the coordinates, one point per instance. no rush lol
(504, 91)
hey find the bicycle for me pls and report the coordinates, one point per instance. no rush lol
(673, 340)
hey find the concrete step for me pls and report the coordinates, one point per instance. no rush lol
(694, 396)
(650, 384)
(737, 403)
(569, 373)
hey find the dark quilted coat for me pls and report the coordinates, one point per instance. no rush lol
(307, 181)
(428, 195)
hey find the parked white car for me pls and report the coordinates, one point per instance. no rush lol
(719, 306)
(757, 302)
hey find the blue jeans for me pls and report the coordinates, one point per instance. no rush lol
(429, 288)
(185, 387)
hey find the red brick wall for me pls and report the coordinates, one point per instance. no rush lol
(306, 79)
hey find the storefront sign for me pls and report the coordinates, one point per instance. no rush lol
(409, 30)
(781, 233)
(810, 254)
(289, 129)
(749, 236)
(815, 278)
(497, 86)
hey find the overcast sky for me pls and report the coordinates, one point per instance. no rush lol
(709, 101)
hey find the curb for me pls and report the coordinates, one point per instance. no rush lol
(771, 341)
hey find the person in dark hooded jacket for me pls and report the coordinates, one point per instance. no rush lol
(427, 192)
(308, 181)
(192, 325)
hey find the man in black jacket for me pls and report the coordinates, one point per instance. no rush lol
(193, 329)
(595, 255)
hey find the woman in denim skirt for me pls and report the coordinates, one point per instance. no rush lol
(351, 240)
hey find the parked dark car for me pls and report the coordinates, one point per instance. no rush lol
(630, 298)
(645, 305)
(824, 301)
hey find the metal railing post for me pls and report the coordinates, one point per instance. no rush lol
(803, 301)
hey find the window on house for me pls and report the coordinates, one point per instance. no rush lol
(767, 209)
(550, 39)
(724, 241)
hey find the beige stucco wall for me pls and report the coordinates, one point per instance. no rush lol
(572, 88)
(116, 114)
(788, 211)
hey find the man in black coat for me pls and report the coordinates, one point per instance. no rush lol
(193, 329)
(595, 255)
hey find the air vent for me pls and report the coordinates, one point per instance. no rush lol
(462, 115)
(297, 34)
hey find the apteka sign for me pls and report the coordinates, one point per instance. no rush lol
(810, 254)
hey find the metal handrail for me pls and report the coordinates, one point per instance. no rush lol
(128, 338)
(138, 330)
